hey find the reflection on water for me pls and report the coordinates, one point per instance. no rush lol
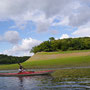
(42, 83)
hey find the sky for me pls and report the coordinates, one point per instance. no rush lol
(27, 23)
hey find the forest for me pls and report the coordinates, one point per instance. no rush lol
(81, 43)
(5, 59)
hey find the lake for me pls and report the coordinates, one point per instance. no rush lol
(46, 82)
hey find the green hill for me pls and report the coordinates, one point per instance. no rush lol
(62, 59)
(52, 45)
(5, 59)
(41, 56)
(79, 58)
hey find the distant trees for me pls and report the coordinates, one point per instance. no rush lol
(51, 38)
(4, 59)
(63, 44)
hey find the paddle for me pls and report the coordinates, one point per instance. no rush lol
(20, 64)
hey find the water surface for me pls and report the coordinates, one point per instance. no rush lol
(43, 83)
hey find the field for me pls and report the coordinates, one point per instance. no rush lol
(64, 59)
(58, 60)
(59, 55)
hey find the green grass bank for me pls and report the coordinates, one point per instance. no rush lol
(56, 60)
(78, 58)
(71, 74)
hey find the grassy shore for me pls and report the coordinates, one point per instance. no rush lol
(71, 74)
(64, 59)
(67, 73)
(81, 61)
(56, 60)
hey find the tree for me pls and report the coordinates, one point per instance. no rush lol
(51, 38)
(63, 44)
(4, 59)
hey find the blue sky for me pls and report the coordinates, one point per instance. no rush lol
(25, 24)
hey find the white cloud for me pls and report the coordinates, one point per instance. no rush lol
(11, 37)
(64, 36)
(39, 18)
(24, 48)
(39, 11)
(56, 38)
(64, 21)
(83, 30)
(81, 15)
(43, 26)
(72, 12)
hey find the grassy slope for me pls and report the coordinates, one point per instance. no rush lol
(55, 60)
(57, 63)
(58, 55)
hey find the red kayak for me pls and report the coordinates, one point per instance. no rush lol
(28, 73)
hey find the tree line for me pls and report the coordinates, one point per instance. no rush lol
(81, 43)
(5, 59)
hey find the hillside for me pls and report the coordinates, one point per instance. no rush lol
(58, 55)
(62, 59)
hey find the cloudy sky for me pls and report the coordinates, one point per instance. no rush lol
(26, 23)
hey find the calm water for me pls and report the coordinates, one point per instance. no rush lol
(42, 83)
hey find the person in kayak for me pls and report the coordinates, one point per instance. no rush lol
(21, 69)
